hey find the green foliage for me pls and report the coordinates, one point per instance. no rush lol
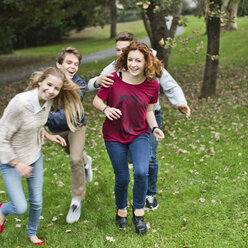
(187, 9)
(35, 22)
(85, 41)
(6, 36)
(243, 8)
(128, 15)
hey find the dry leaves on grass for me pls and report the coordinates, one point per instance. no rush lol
(110, 239)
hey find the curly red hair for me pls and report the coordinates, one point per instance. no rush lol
(153, 67)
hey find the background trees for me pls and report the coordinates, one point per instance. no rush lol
(212, 56)
(38, 22)
(27, 23)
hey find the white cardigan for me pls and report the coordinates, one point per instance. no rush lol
(21, 128)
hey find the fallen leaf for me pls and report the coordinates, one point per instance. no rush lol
(110, 239)
(148, 225)
(54, 218)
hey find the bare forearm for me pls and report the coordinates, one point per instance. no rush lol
(98, 103)
(151, 120)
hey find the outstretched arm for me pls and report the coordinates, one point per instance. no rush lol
(55, 138)
(184, 108)
(104, 79)
(174, 93)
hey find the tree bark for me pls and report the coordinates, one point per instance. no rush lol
(147, 25)
(159, 29)
(212, 60)
(231, 11)
(113, 17)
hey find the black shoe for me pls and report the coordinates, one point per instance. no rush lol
(140, 225)
(121, 222)
(151, 203)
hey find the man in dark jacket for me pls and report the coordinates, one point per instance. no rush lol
(68, 60)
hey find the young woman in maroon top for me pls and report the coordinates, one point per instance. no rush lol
(129, 112)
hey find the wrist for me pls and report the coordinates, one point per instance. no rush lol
(14, 162)
(96, 84)
(153, 129)
(104, 108)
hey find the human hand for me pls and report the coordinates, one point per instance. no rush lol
(106, 80)
(112, 113)
(24, 170)
(184, 108)
(158, 133)
(56, 138)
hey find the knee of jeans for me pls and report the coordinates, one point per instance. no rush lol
(36, 203)
(21, 207)
(140, 175)
(76, 161)
(122, 181)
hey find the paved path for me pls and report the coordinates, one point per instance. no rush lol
(22, 74)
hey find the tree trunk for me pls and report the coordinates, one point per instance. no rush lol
(212, 60)
(201, 8)
(147, 25)
(231, 11)
(113, 16)
(159, 29)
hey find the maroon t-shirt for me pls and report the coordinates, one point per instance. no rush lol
(133, 101)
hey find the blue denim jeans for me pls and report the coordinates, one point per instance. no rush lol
(17, 204)
(118, 153)
(153, 162)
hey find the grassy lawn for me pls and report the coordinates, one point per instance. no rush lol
(202, 181)
(89, 40)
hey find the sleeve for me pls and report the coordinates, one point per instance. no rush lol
(81, 83)
(103, 93)
(91, 82)
(171, 89)
(154, 98)
(108, 69)
(56, 121)
(10, 123)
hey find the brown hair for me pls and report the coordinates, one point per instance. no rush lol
(125, 36)
(68, 97)
(153, 67)
(61, 55)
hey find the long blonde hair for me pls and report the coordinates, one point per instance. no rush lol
(68, 97)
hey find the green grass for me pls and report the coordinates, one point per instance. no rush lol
(233, 44)
(202, 181)
(89, 40)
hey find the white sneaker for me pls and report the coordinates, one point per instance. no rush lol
(88, 170)
(73, 214)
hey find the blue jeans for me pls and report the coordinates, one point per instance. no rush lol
(153, 162)
(17, 204)
(118, 153)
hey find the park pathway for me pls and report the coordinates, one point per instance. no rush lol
(22, 74)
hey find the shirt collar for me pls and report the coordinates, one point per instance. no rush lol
(34, 101)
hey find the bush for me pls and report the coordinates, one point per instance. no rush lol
(7, 37)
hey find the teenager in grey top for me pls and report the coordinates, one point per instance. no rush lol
(170, 88)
